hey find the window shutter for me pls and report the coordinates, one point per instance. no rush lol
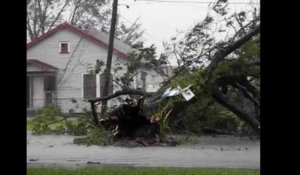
(110, 87)
(89, 86)
(49, 83)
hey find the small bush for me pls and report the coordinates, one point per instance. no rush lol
(44, 117)
(50, 120)
(49, 113)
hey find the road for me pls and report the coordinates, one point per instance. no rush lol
(214, 152)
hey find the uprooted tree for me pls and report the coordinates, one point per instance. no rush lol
(230, 74)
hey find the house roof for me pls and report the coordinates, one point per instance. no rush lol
(41, 65)
(120, 50)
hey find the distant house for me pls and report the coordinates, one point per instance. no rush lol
(59, 64)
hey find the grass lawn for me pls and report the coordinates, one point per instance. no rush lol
(139, 171)
(30, 123)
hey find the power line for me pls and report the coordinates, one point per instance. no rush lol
(193, 2)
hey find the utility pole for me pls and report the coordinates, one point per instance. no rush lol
(107, 71)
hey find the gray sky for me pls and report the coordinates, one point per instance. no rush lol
(162, 19)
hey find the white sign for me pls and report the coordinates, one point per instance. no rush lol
(186, 93)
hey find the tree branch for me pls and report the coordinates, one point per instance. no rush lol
(122, 92)
(250, 88)
(246, 93)
(43, 17)
(39, 16)
(242, 29)
(29, 29)
(222, 53)
(35, 21)
(222, 99)
(72, 17)
(58, 15)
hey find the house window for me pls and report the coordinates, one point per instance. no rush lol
(89, 86)
(64, 47)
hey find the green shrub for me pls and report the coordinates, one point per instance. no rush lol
(50, 120)
(49, 113)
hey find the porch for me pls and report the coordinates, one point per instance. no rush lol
(41, 84)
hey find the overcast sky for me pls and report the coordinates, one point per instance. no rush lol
(162, 19)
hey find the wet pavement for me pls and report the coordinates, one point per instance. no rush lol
(216, 152)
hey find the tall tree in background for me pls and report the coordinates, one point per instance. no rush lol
(43, 15)
(90, 14)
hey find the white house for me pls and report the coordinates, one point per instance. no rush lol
(58, 65)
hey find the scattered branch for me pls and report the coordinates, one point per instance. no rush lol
(122, 92)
